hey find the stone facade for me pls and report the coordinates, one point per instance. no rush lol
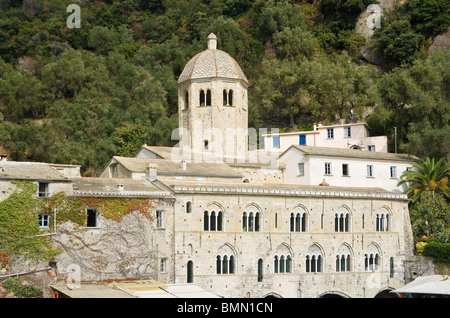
(276, 238)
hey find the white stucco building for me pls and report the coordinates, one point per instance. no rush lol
(348, 136)
(345, 167)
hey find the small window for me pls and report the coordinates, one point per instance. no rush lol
(225, 98)
(369, 170)
(230, 97)
(301, 169)
(208, 97)
(260, 270)
(205, 145)
(163, 265)
(189, 207)
(202, 98)
(345, 171)
(347, 132)
(44, 221)
(371, 147)
(114, 170)
(276, 141)
(391, 267)
(393, 172)
(327, 168)
(190, 272)
(186, 100)
(160, 219)
(43, 190)
(330, 133)
(92, 219)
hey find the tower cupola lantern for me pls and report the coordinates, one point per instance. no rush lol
(212, 41)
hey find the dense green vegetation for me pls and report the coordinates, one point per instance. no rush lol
(82, 95)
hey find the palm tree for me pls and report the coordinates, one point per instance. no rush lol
(427, 176)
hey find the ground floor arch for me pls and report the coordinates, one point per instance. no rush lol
(386, 293)
(333, 294)
(272, 295)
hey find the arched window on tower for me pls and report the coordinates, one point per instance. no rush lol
(208, 97)
(186, 100)
(202, 98)
(225, 97)
(230, 97)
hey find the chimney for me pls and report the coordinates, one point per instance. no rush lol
(152, 174)
(183, 165)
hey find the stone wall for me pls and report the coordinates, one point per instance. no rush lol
(132, 248)
(201, 247)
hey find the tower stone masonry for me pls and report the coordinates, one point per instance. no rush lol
(213, 107)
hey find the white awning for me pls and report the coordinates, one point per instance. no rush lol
(433, 284)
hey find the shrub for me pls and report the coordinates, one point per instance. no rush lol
(439, 251)
(22, 290)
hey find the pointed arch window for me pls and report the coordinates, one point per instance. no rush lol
(225, 261)
(341, 222)
(282, 260)
(251, 221)
(372, 259)
(298, 222)
(213, 221)
(314, 260)
(382, 222)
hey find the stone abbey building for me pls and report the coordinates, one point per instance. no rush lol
(224, 216)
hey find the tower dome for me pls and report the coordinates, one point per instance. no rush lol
(212, 63)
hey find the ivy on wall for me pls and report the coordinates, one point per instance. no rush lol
(20, 234)
(19, 227)
(74, 208)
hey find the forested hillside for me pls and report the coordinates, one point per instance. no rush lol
(81, 95)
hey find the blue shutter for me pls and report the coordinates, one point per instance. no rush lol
(276, 141)
(302, 140)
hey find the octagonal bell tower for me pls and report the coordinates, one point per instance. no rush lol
(213, 107)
